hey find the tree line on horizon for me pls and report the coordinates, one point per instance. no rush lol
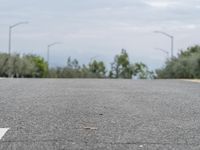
(185, 65)
(26, 66)
(121, 67)
(34, 66)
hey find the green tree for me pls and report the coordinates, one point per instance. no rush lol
(72, 64)
(120, 68)
(141, 71)
(40, 65)
(97, 69)
(4, 58)
(185, 65)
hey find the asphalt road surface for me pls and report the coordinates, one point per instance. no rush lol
(75, 114)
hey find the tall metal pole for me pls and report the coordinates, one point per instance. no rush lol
(10, 34)
(172, 41)
(9, 42)
(164, 51)
(172, 46)
(48, 49)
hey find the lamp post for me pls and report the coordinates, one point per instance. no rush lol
(48, 49)
(10, 34)
(164, 51)
(172, 41)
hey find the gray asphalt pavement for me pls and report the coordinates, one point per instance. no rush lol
(75, 114)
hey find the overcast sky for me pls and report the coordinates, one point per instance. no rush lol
(101, 28)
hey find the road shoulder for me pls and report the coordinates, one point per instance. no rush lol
(194, 80)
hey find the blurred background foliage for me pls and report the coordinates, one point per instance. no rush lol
(33, 66)
(26, 66)
(185, 65)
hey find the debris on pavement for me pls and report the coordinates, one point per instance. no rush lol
(90, 128)
(141, 146)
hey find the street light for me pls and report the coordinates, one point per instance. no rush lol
(48, 49)
(172, 41)
(10, 34)
(164, 51)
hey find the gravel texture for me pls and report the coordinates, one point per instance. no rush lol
(89, 114)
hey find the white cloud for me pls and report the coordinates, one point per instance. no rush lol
(160, 4)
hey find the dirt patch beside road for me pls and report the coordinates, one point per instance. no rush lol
(195, 80)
